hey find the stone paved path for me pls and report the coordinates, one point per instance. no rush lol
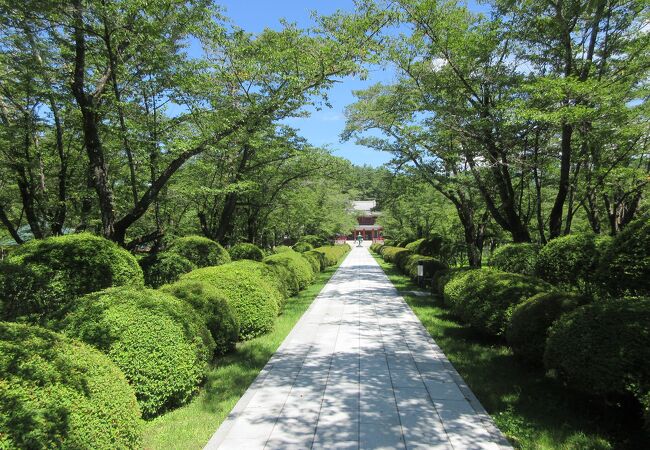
(358, 371)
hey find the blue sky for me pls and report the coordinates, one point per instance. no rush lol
(323, 127)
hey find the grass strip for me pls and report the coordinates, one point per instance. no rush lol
(191, 426)
(532, 410)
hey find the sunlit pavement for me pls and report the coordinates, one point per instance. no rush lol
(358, 371)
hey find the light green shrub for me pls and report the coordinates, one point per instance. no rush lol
(245, 250)
(203, 252)
(165, 267)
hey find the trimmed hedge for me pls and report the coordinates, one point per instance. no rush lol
(282, 249)
(516, 258)
(604, 348)
(390, 254)
(333, 253)
(442, 277)
(484, 297)
(568, 261)
(376, 247)
(431, 266)
(319, 257)
(200, 250)
(528, 327)
(302, 247)
(624, 268)
(165, 267)
(215, 311)
(254, 298)
(246, 250)
(59, 393)
(40, 279)
(428, 247)
(160, 343)
(313, 261)
(298, 268)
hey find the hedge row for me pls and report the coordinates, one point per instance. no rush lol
(332, 254)
(407, 261)
(586, 262)
(151, 347)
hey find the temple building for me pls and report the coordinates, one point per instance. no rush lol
(366, 218)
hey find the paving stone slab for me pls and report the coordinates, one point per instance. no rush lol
(358, 371)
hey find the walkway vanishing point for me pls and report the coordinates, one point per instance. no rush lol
(358, 371)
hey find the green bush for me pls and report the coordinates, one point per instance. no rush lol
(442, 277)
(516, 258)
(282, 249)
(528, 327)
(484, 297)
(245, 250)
(314, 241)
(603, 348)
(299, 269)
(302, 247)
(401, 258)
(255, 300)
(428, 247)
(163, 268)
(430, 266)
(160, 342)
(624, 267)
(313, 261)
(213, 308)
(333, 253)
(59, 393)
(200, 250)
(568, 261)
(390, 254)
(41, 278)
(318, 256)
(376, 247)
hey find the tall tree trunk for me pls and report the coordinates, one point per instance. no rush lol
(555, 218)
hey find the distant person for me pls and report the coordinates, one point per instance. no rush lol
(359, 240)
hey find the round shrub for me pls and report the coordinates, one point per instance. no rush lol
(313, 261)
(302, 247)
(528, 327)
(568, 260)
(59, 393)
(442, 277)
(603, 348)
(41, 278)
(245, 250)
(255, 300)
(333, 253)
(376, 247)
(298, 268)
(165, 267)
(390, 254)
(200, 250)
(624, 267)
(160, 343)
(428, 247)
(401, 258)
(516, 258)
(484, 297)
(318, 256)
(282, 249)
(430, 266)
(213, 308)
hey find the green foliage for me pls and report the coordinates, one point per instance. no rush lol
(160, 342)
(603, 348)
(516, 258)
(59, 393)
(390, 254)
(442, 277)
(41, 278)
(528, 327)
(484, 298)
(255, 300)
(431, 266)
(568, 261)
(333, 253)
(302, 247)
(245, 250)
(299, 270)
(624, 267)
(376, 247)
(282, 249)
(213, 308)
(428, 247)
(200, 250)
(313, 261)
(319, 257)
(313, 240)
(165, 267)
